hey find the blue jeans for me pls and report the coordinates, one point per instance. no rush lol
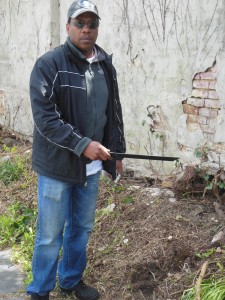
(65, 218)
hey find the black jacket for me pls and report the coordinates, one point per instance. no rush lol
(58, 100)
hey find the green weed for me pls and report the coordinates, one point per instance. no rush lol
(211, 289)
(206, 254)
(201, 152)
(128, 200)
(15, 223)
(17, 227)
(12, 170)
(11, 150)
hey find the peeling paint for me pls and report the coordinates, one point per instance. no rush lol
(203, 106)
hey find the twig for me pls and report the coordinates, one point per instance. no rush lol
(199, 280)
(152, 275)
(156, 219)
(176, 293)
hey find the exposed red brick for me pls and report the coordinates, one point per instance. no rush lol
(196, 102)
(212, 103)
(212, 85)
(197, 119)
(201, 84)
(212, 94)
(197, 93)
(190, 109)
(204, 84)
(208, 75)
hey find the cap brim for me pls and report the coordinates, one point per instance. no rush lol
(83, 10)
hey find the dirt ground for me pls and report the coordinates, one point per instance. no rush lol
(145, 239)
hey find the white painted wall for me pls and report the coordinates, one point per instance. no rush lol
(157, 46)
(28, 28)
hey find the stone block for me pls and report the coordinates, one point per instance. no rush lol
(11, 277)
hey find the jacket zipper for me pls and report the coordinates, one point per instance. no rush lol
(90, 69)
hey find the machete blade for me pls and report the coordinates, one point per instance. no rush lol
(139, 156)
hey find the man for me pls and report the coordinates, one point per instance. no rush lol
(78, 120)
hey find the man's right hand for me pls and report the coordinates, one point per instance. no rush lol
(95, 151)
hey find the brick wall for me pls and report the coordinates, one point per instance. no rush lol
(203, 105)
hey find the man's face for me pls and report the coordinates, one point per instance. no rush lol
(83, 38)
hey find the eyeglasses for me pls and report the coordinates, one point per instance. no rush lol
(91, 25)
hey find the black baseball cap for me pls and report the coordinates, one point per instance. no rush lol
(81, 6)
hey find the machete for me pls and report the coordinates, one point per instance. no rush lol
(117, 155)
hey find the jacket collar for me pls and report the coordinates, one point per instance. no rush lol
(74, 53)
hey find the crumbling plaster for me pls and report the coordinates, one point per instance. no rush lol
(158, 47)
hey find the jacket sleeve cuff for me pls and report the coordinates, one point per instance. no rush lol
(81, 146)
